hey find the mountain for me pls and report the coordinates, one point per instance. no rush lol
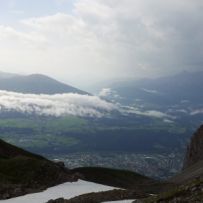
(193, 163)
(194, 152)
(183, 87)
(22, 172)
(4, 75)
(35, 84)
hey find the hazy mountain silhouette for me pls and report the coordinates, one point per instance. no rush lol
(163, 90)
(35, 83)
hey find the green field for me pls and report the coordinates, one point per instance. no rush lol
(70, 133)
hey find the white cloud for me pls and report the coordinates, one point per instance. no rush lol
(196, 112)
(182, 111)
(105, 92)
(156, 114)
(56, 105)
(150, 91)
(148, 113)
(108, 93)
(68, 104)
(168, 121)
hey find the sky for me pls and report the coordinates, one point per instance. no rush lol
(82, 42)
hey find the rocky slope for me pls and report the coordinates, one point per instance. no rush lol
(193, 164)
(22, 172)
(194, 152)
(186, 193)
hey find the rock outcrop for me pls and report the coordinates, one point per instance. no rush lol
(194, 152)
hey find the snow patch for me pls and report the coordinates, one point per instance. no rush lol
(67, 190)
(122, 201)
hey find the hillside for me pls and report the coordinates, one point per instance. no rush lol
(22, 172)
(134, 185)
(35, 84)
(186, 193)
(120, 179)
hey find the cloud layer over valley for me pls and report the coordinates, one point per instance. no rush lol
(69, 104)
(55, 105)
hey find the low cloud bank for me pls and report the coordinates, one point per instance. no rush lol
(68, 104)
(150, 91)
(109, 94)
(55, 105)
(196, 112)
(148, 113)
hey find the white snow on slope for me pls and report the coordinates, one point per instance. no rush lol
(66, 190)
(122, 201)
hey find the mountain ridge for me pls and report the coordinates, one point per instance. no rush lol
(36, 84)
(163, 90)
(193, 162)
(194, 152)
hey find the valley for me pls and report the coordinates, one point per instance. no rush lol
(127, 126)
(154, 165)
(101, 101)
(148, 145)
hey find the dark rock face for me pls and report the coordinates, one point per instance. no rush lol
(194, 152)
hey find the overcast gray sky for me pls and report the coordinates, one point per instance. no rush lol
(84, 41)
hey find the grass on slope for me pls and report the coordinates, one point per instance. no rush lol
(18, 166)
(10, 151)
(190, 192)
(120, 178)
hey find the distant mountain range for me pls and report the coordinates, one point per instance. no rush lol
(183, 87)
(35, 84)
